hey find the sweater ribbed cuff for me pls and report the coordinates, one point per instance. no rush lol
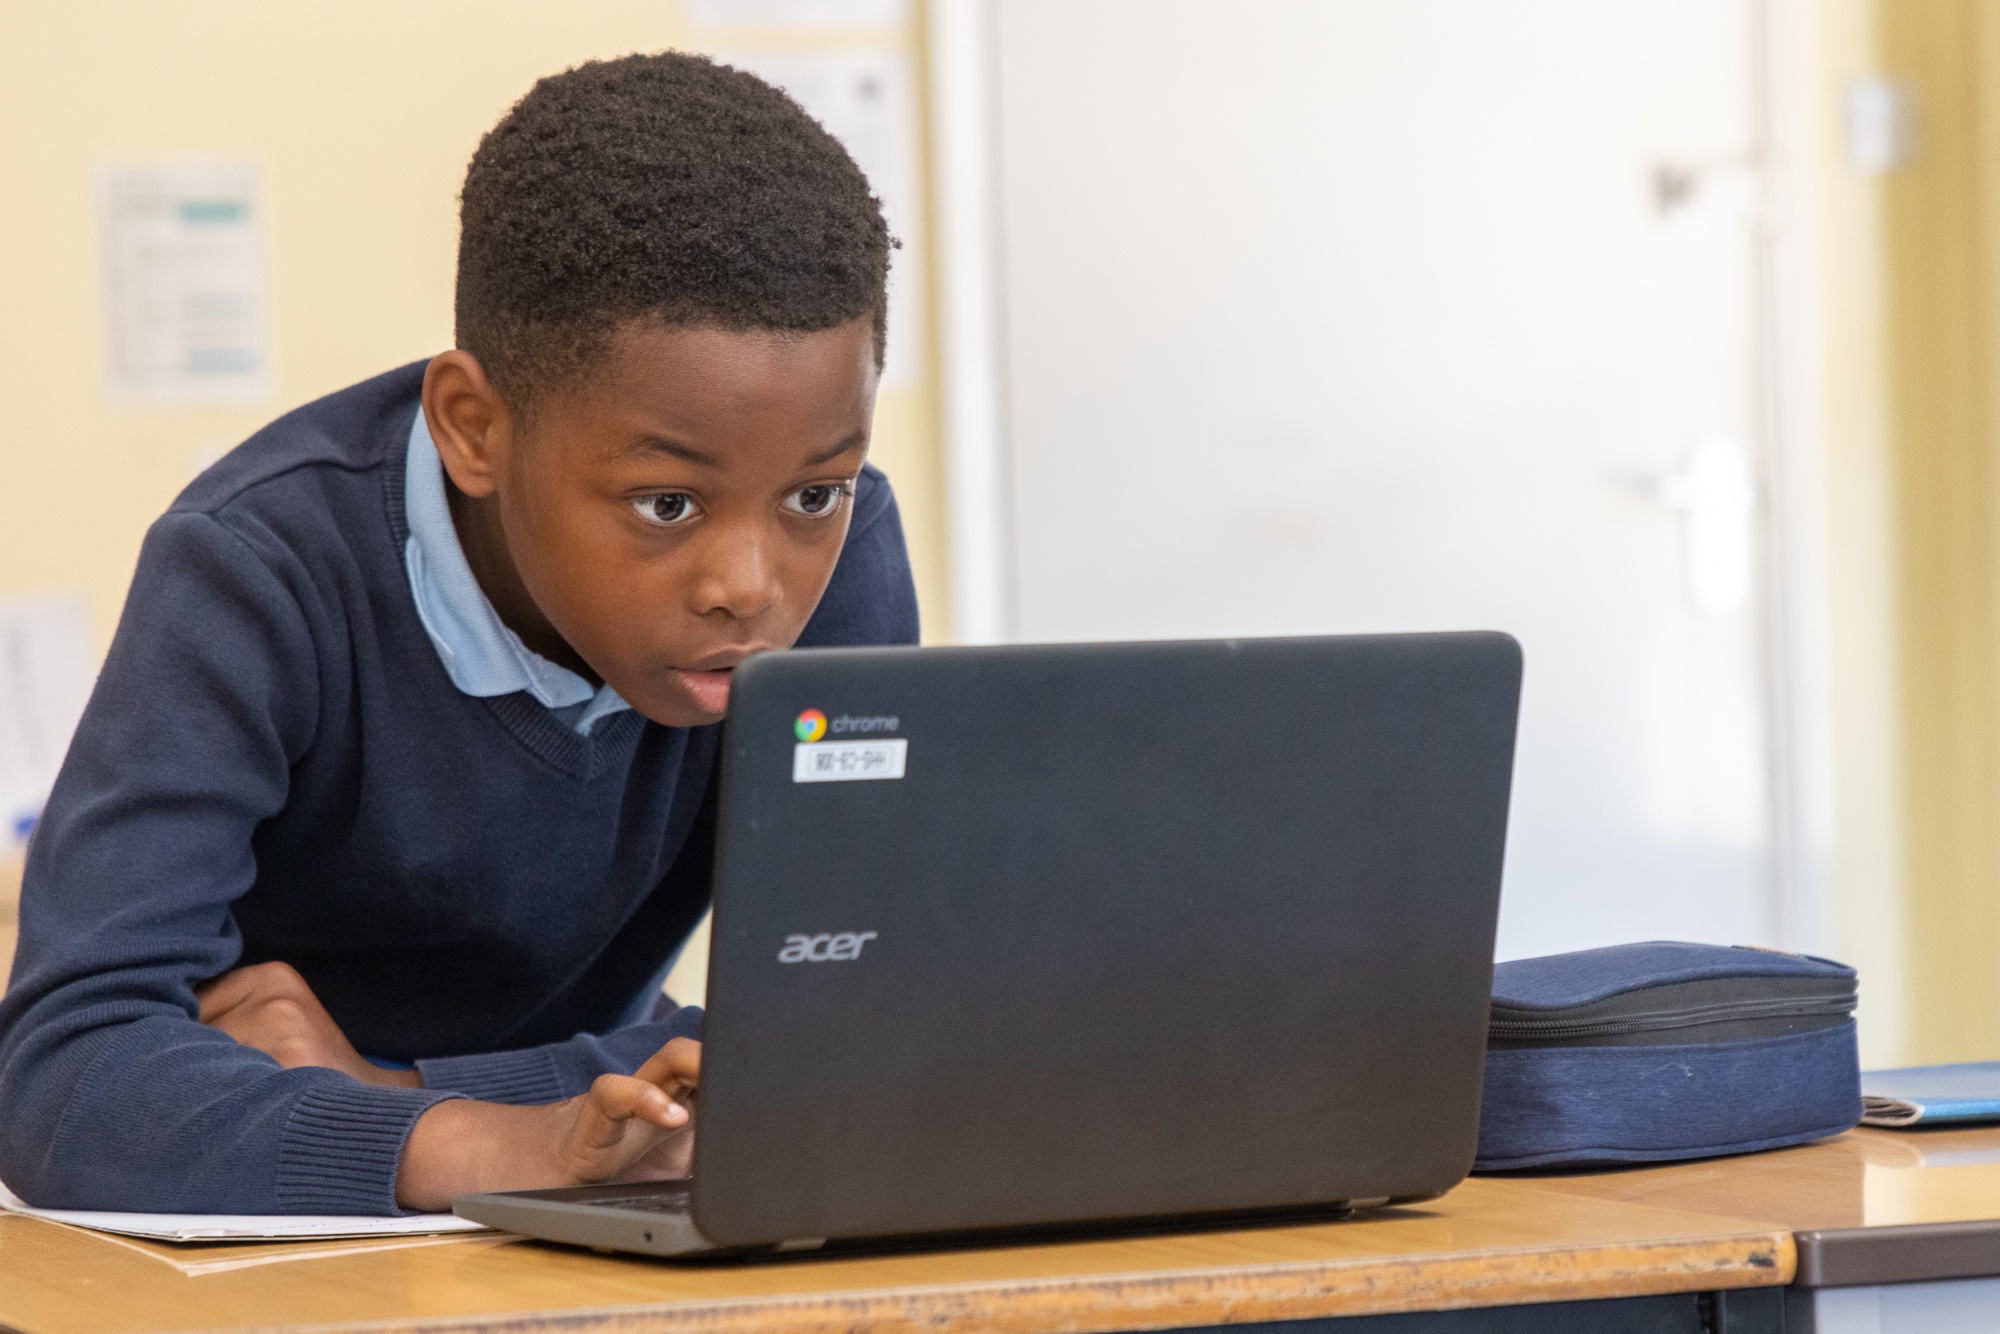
(342, 1145)
(522, 1077)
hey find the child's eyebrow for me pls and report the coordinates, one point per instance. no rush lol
(832, 452)
(654, 444)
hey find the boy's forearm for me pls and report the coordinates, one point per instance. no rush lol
(461, 1146)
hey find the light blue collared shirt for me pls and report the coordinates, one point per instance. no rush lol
(480, 654)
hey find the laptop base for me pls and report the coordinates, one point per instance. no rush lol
(653, 1218)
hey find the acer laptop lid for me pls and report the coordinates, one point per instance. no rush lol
(1053, 936)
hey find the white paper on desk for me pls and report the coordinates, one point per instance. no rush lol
(242, 1227)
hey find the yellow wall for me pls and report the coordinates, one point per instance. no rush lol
(362, 113)
(1869, 849)
(1939, 264)
(1911, 267)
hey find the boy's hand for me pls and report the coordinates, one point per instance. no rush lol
(268, 1006)
(634, 1127)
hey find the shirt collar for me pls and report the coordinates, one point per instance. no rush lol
(480, 654)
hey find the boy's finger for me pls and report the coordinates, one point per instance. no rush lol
(604, 1123)
(624, 1097)
(616, 1124)
(677, 1063)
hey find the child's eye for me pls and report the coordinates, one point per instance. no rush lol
(666, 508)
(816, 501)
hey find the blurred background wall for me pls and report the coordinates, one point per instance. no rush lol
(1658, 332)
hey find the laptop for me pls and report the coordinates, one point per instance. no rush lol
(1059, 937)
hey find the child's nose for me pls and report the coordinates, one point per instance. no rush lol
(739, 577)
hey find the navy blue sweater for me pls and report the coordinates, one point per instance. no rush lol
(274, 765)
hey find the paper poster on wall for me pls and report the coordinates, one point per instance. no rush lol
(46, 672)
(865, 99)
(183, 282)
(798, 13)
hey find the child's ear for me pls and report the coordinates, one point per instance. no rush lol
(468, 420)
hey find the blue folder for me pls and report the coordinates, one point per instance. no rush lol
(1931, 1095)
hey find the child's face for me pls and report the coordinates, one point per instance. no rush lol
(673, 512)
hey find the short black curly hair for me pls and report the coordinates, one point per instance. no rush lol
(662, 187)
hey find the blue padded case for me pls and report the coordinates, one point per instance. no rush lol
(1665, 1050)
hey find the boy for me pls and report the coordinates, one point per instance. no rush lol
(405, 742)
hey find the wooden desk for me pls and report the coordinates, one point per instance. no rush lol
(1487, 1243)
(1870, 1207)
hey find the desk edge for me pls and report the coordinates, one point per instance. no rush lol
(1133, 1301)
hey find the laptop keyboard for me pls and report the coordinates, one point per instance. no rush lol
(652, 1202)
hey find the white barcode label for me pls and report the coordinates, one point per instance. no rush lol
(848, 761)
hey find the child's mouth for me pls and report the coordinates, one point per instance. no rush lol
(709, 689)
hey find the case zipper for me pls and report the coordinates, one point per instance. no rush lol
(1516, 1027)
